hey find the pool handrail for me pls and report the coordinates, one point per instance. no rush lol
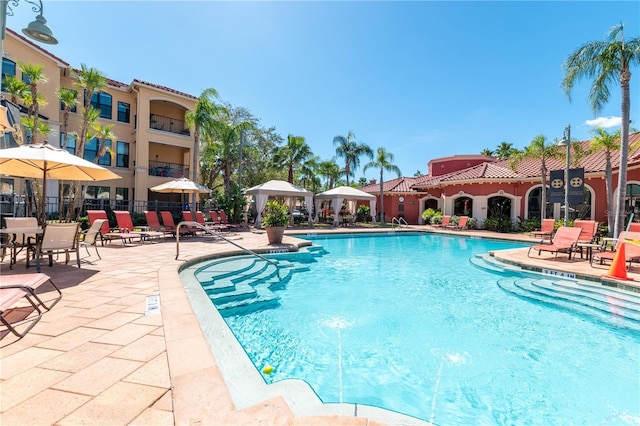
(217, 234)
(400, 221)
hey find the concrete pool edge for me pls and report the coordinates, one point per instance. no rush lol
(213, 379)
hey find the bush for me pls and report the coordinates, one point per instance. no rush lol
(275, 214)
(428, 215)
(363, 214)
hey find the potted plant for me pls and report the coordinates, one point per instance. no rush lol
(275, 220)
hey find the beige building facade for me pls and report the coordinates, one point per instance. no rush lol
(153, 143)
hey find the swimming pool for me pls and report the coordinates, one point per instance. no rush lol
(406, 323)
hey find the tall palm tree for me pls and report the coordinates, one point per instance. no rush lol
(104, 133)
(34, 73)
(16, 88)
(90, 80)
(605, 62)
(202, 119)
(331, 172)
(351, 150)
(504, 150)
(383, 161)
(227, 146)
(69, 99)
(486, 151)
(292, 155)
(539, 150)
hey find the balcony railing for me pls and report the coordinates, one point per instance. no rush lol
(168, 124)
(164, 169)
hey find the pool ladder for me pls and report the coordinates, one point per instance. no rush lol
(399, 222)
(219, 235)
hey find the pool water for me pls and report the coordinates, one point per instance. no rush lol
(407, 323)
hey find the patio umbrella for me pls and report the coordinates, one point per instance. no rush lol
(44, 161)
(181, 186)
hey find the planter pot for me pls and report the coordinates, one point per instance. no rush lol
(275, 234)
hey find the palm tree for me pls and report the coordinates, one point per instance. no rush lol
(606, 62)
(486, 151)
(202, 119)
(90, 80)
(16, 88)
(34, 73)
(539, 150)
(383, 161)
(504, 150)
(69, 99)
(292, 155)
(227, 146)
(331, 171)
(351, 151)
(104, 133)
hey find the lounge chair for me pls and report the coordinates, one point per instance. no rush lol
(23, 287)
(546, 230)
(90, 237)
(106, 234)
(170, 226)
(224, 221)
(589, 232)
(125, 224)
(187, 216)
(445, 222)
(199, 216)
(631, 250)
(154, 223)
(564, 241)
(462, 223)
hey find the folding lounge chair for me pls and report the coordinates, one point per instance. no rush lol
(564, 241)
(106, 234)
(588, 234)
(222, 219)
(154, 223)
(445, 222)
(187, 216)
(14, 313)
(546, 230)
(125, 224)
(170, 226)
(211, 225)
(462, 223)
(631, 250)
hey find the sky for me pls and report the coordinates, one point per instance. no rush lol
(423, 79)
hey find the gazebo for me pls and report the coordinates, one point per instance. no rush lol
(351, 195)
(278, 188)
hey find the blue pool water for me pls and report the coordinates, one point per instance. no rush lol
(407, 323)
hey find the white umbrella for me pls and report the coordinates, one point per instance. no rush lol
(45, 161)
(182, 186)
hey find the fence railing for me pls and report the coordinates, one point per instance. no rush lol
(168, 124)
(164, 169)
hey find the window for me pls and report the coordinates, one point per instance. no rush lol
(122, 194)
(96, 192)
(71, 144)
(91, 151)
(26, 79)
(124, 112)
(102, 101)
(8, 69)
(74, 107)
(122, 154)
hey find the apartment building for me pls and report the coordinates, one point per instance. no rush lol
(153, 143)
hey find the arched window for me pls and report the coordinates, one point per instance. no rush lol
(533, 204)
(431, 203)
(463, 206)
(499, 207)
(632, 200)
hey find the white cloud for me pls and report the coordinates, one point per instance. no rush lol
(605, 122)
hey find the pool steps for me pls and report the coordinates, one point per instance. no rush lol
(242, 283)
(610, 305)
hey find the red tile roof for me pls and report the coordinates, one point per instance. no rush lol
(35, 46)
(164, 88)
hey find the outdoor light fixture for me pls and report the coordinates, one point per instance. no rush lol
(37, 30)
(566, 141)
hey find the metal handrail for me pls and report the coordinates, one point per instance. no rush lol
(399, 221)
(217, 234)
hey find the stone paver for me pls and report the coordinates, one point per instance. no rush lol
(97, 359)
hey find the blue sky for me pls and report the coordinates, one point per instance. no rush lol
(423, 79)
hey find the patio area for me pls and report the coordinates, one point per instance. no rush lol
(105, 355)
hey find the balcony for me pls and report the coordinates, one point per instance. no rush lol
(164, 169)
(168, 124)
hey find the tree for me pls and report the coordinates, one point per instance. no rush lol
(486, 151)
(103, 133)
(16, 88)
(539, 150)
(227, 146)
(330, 170)
(34, 74)
(202, 119)
(69, 99)
(292, 155)
(383, 161)
(504, 150)
(418, 173)
(604, 62)
(351, 151)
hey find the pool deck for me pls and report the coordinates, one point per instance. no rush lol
(102, 355)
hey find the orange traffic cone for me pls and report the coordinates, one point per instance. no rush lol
(618, 269)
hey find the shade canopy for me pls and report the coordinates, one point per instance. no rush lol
(44, 161)
(181, 186)
(345, 193)
(277, 188)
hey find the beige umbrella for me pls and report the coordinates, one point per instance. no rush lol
(181, 186)
(44, 161)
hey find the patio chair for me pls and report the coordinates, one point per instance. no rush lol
(21, 241)
(211, 224)
(90, 237)
(462, 223)
(170, 226)
(58, 238)
(106, 234)
(546, 230)
(588, 234)
(224, 221)
(445, 222)
(631, 250)
(21, 304)
(125, 224)
(564, 241)
(154, 223)
(187, 216)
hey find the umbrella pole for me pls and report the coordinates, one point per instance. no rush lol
(43, 215)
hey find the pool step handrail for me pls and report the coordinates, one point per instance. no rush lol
(399, 221)
(219, 235)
